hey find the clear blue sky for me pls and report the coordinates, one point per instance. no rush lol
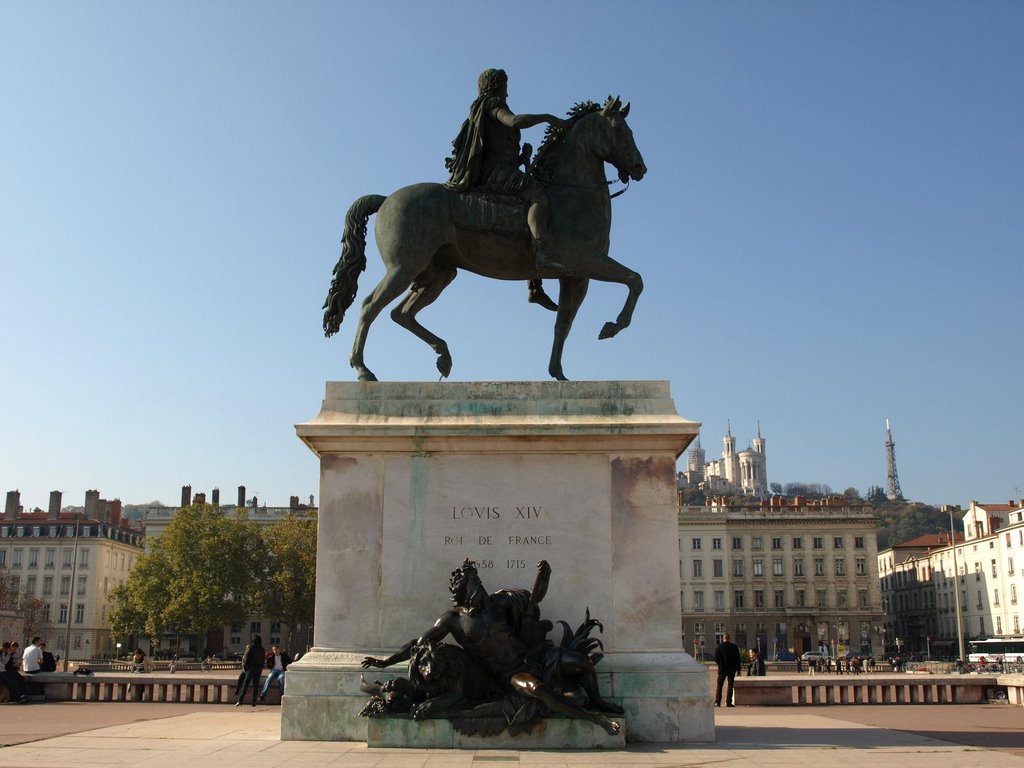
(830, 232)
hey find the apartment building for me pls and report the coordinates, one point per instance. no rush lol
(783, 575)
(922, 579)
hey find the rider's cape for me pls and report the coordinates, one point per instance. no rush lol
(468, 146)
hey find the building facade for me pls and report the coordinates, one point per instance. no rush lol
(784, 575)
(67, 565)
(922, 579)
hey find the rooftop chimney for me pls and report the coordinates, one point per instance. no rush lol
(92, 504)
(241, 496)
(55, 498)
(186, 495)
(114, 509)
(216, 497)
(13, 506)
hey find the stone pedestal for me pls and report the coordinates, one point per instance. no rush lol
(415, 477)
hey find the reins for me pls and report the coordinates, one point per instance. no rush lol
(606, 183)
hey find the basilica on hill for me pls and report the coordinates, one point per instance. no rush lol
(740, 472)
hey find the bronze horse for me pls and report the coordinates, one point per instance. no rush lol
(423, 246)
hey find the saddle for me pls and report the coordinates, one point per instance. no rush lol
(483, 211)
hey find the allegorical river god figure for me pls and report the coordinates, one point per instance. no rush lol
(506, 673)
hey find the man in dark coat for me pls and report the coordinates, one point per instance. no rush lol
(252, 668)
(727, 658)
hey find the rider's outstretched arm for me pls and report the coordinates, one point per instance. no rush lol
(519, 122)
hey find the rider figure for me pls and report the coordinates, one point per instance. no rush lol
(486, 157)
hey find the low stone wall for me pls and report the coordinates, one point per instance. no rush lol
(201, 688)
(878, 689)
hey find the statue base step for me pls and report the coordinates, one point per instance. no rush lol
(550, 733)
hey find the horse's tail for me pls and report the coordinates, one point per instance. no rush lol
(352, 261)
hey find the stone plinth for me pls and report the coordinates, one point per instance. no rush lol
(415, 477)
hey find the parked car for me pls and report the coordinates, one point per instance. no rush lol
(785, 656)
(815, 655)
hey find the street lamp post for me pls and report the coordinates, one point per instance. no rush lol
(956, 584)
(71, 598)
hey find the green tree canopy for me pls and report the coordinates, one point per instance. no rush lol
(289, 587)
(203, 571)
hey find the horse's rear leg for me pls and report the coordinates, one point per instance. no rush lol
(428, 287)
(388, 289)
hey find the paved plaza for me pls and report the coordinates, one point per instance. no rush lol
(58, 735)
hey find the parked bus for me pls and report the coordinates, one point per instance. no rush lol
(997, 650)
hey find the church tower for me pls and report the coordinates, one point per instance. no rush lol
(729, 457)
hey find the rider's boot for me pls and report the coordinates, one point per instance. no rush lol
(537, 295)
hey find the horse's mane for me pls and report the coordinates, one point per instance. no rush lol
(543, 163)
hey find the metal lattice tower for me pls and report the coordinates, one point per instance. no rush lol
(892, 490)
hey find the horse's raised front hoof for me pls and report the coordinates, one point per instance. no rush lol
(444, 364)
(609, 330)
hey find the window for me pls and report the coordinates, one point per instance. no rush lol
(841, 598)
(862, 566)
(236, 635)
(737, 598)
(995, 597)
(777, 566)
(858, 542)
(819, 566)
(981, 603)
(83, 558)
(719, 600)
(819, 542)
(977, 572)
(63, 616)
(698, 600)
(1009, 566)
(780, 598)
(3, 558)
(776, 542)
(798, 542)
(755, 542)
(819, 597)
(47, 585)
(81, 585)
(994, 574)
(255, 627)
(837, 542)
(758, 566)
(737, 567)
(86, 530)
(840, 566)
(1013, 594)
(30, 585)
(695, 543)
(999, 625)
(801, 598)
(719, 568)
(66, 562)
(79, 613)
(698, 569)
(759, 598)
(716, 543)
(65, 585)
(46, 613)
(1016, 624)
(16, 560)
(798, 567)
(33, 558)
(737, 542)
(51, 558)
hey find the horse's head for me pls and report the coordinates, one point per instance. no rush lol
(619, 147)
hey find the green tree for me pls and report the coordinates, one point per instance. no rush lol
(202, 572)
(289, 587)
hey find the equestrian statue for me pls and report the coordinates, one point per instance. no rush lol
(550, 220)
